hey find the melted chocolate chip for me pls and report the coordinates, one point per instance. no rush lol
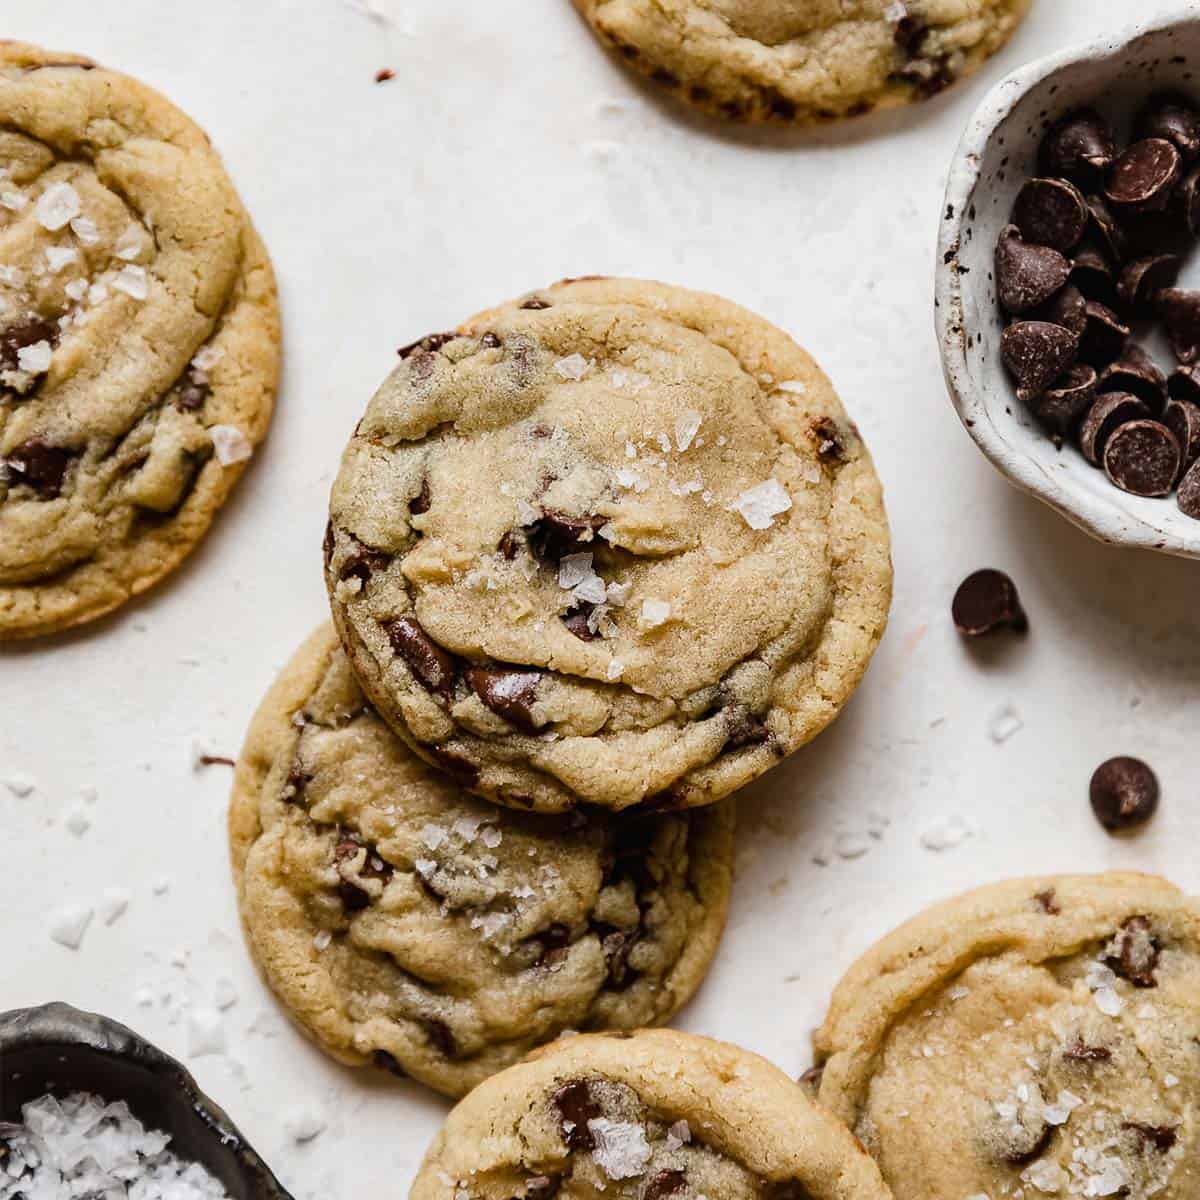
(1142, 458)
(430, 342)
(554, 535)
(909, 31)
(1027, 275)
(1079, 146)
(455, 765)
(1188, 496)
(349, 847)
(508, 693)
(1104, 336)
(387, 1062)
(1173, 118)
(433, 666)
(25, 333)
(617, 946)
(420, 502)
(440, 1036)
(363, 562)
(744, 728)
(987, 601)
(1036, 353)
(576, 1107)
(827, 438)
(664, 1183)
(1048, 902)
(192, 395)
(576, 621)
(510, 545)
(1157, 1137)
(1080, 1051)
(1051, 212)
(1143, 176)
(535, 304)
(1135, 951)
(1142, 279)
(39, 466)
(1179, 309)
(1108, 414)
(1124, 793)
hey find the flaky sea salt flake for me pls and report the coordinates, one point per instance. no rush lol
(687, 425)
(35, 359)
(56, 206)
(230, 444)
(655, 613)
(84, 228)
(574, 367)
(760, 505)
(132, 281)
(69, 923)
(621, 1148)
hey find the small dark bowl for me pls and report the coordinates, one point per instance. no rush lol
(60, 1050)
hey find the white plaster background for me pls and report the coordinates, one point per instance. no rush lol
(508, 152)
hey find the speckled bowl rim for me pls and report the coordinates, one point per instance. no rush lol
(1082, 509)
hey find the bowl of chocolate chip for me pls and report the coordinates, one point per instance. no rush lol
(1068, 284)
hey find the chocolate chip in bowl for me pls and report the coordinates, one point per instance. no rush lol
(68, 1078)
(1066, 311)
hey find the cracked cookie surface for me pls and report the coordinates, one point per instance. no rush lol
(803, 60)
(139, 339)
(403, 922)
(641, 1117)
(615, 542)
(1039, 1037)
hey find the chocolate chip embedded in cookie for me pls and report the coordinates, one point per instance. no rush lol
(645, 1116)
(620, 547)
(139, 336)
(797, 61)
(406, 924)
(1035, 1037)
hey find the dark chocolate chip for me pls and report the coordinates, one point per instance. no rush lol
(617, 946)
(1143, 176)
(1104, 336)
(387, 1062)
(1080, 1051)
(1108, 413)
(1187, 200)
(535, 304)
(1142, 279)
(1124, 793)
(40, 466)
(192, 395)
(542, 1187)
(25, 333)
(664, 1183)
(927, 75)
(1051, 212)
(1136, 372)
(1105, 229)
(1048, 902)
(429, 343)
(1188, 497)
(1158, 1137)
(363, 562)
(1142, 458)
(1062, 407)
(1135, 951)
(1027, 275)
(1067, 307)
(1092, 273)
(987, 601)
(828, 439)
(745, 729)
(1036, 354)
(1184, 384)
(345, 852)
(576, 1106)
(509, 693)
(1079, 146)
(1179, 309)
(1173, 118)
(1182, 418)
(909, 31)
(430, 663)
(420, 502)
(576, 620)
(554, 535)
(440, 1036)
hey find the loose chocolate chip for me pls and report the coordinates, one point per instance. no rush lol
(1179, 309)
(430, 663)
(1092, 273)
(40, 466)
(387, 1062)
(576, 1107)
(745, 729)
(192, 395)
(429, 343)
(1027, 275)
(554, 535)
(1108, 413)
(1182, 418)
(1173, 118)
(1067, 307)
(1104, 336)
(1142, 279)
(1142, 458)
(1124, 793)
(1051, 212)
(1135, 951)
(1187, 200)
(1161, 1137)
(1188, 497)
(1143, 176)
(664, 1183)
(535, 304)
(1135, 372)
(440, 1036)
(1036, 354)
(1061, 407)
(420, 502)
(542, 1187)
(1080, 1051)
(1079, 146)
(508, 693)
(576, 621)
(1048, 902)
(828, 439)
(987, 601)
(1184, 384)
(1106, 230)
(25, 333)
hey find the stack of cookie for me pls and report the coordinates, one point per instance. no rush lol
(596, 561)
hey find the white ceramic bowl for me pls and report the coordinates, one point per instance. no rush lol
(997, 154)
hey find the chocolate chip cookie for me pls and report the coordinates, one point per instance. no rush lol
(614, 542)
(139, 339)
(641, 1117)
(803, 60)
(405, 923)
(1039, 1037)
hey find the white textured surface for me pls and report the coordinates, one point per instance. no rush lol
(506, 153)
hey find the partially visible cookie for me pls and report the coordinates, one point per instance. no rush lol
(1039, 1037)
(139, 339)
(803, 60)
(403, 922)
(613, 543)
(643, 1117)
